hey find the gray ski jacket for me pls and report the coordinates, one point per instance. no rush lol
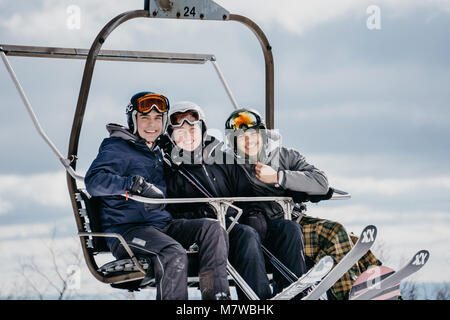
(296, 175)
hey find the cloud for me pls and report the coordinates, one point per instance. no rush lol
(45, 189)
(393, 186)
(408, 114)
(48, 21)
(32, 230)
(300, 16)
(5, 206)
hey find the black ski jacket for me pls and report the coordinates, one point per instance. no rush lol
(211, 172)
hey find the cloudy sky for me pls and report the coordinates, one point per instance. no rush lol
(367, 106)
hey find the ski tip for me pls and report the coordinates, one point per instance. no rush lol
(326, 260)
(420, 258)
(325, 263)
(369, 234)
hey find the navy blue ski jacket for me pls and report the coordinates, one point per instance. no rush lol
(120, 157)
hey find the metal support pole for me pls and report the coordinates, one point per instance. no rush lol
(268, 58)
(37, 125)
(225, 85)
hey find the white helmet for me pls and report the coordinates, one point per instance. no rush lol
(185, 106)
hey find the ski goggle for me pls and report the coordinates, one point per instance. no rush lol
(151, 101)
(177, 121)
(243, 120)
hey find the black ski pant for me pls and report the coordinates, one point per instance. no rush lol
(283, 238)
(166, 249)
(247, 258)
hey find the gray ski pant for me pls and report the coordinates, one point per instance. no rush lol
(166, 248)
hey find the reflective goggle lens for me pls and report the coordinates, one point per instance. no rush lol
(146, 103)
(243, 120)
(177, 119)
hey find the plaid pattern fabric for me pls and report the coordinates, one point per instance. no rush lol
(325, 237)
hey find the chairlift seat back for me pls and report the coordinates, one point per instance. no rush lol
(92, 206)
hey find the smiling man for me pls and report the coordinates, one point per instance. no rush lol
(149, 126)
(129, 161)
(275, 170)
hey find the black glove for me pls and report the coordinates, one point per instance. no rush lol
(164, 143)
(142, 188)
(299, 196)
(317, 198)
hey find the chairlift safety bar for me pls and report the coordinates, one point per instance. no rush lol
(340, 195)
(109, 55)
(106, 55)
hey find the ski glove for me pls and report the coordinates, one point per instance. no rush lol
(142, 188)
(164, 143)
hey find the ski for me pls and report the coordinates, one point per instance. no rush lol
(365, 242)
(311, 277)
(379, 287)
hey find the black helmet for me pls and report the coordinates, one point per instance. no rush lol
(144, 102)
(244, 118)
(241, 120)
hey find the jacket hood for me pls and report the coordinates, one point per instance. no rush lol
(119, 131)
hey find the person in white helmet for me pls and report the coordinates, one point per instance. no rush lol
(197, 167)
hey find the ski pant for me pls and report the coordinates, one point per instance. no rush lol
(166, 249)
(325, 237)
(247, 258)
(283, 238)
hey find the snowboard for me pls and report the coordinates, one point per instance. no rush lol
(372, 276)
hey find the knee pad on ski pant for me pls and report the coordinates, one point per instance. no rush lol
(213, 252)
(171, 266)
(168, 257)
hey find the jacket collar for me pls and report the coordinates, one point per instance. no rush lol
(119, 131)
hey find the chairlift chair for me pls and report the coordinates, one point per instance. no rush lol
(127, 273)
